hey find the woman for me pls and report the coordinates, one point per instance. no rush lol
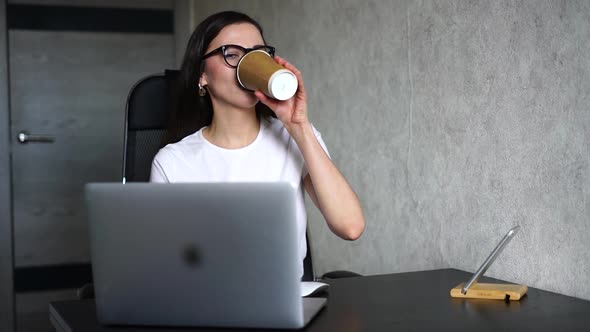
(248, 137)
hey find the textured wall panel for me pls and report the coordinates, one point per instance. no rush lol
(453, 121)
(72, 85)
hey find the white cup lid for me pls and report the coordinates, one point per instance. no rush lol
(283, 84)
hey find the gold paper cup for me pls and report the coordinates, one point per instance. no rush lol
(257, 70)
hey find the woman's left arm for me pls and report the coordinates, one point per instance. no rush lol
(326, 186)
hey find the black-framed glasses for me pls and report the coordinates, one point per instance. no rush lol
(234, 53)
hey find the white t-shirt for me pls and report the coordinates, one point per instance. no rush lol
(272, 157)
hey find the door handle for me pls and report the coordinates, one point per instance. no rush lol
(24, 138)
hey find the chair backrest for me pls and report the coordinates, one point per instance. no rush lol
(147, 114)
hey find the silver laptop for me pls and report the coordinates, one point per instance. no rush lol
(200, 254)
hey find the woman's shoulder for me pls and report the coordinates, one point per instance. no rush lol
(180, 149)
(274, 130)
(276, 126)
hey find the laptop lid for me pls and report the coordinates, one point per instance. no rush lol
(195, 254)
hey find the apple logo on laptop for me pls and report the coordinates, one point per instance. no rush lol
(191, 256)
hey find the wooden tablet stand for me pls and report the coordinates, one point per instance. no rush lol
(491, 291)
(474, 290)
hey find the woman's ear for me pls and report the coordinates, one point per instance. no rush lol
(203, 79)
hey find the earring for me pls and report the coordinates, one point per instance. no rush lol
(202, 91)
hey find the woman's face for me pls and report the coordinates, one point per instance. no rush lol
(219, 77)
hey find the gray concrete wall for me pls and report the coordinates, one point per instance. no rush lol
(453, 121)
(184, 24)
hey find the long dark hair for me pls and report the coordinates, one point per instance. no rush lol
(191, 112)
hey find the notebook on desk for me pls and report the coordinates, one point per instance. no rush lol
(208, 254)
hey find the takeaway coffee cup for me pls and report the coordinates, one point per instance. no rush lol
(257, 70)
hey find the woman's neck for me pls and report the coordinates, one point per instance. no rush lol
(232, 129)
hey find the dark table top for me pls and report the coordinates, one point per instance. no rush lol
(413, 301)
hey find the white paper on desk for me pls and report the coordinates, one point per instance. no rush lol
(311, 287)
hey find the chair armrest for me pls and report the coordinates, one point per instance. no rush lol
(85, 292)
(340, 275)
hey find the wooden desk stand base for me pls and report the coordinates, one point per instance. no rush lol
(491, 291)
